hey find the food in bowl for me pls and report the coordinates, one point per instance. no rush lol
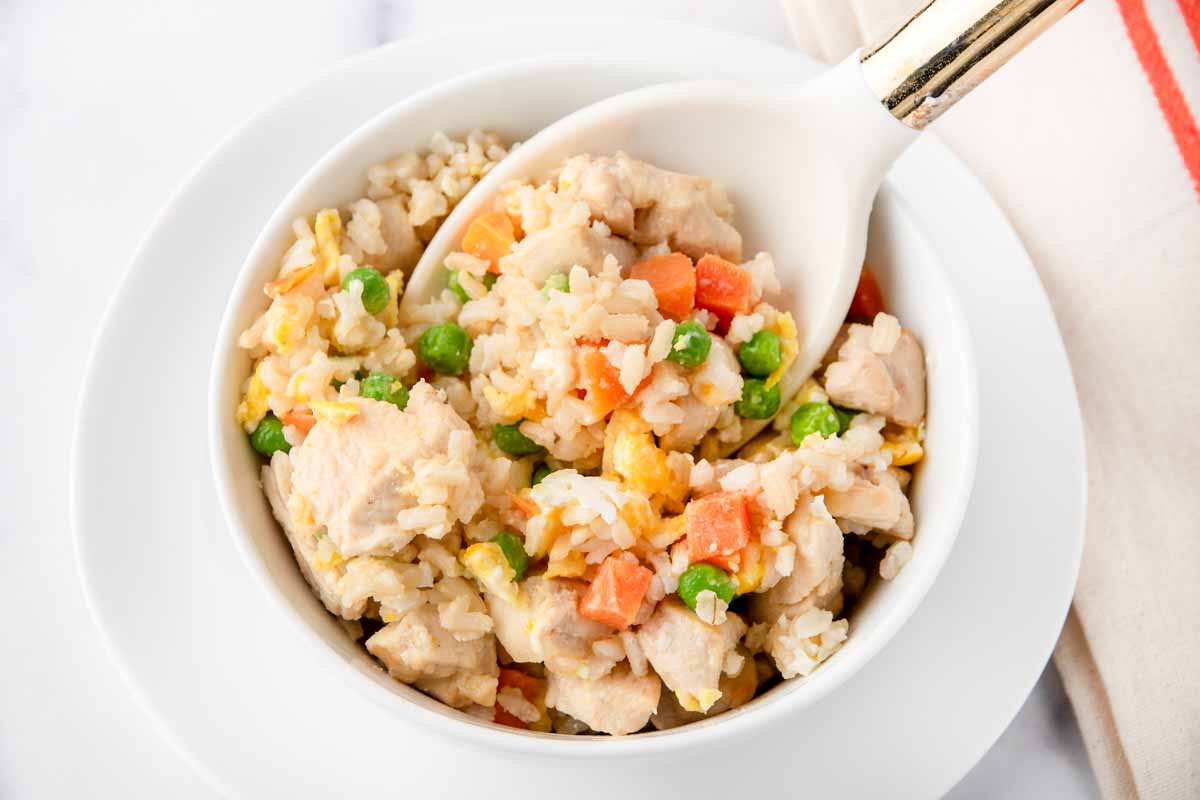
(513, 494)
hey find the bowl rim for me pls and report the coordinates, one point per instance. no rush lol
(786, 699)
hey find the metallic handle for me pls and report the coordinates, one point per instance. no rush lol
(947, 48)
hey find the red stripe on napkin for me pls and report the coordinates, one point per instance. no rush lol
(1191, 16)
(1171, 101)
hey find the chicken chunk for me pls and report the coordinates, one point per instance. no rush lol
(386, 475)
(556, 249)
(878, 504)
(890, 383)
(417, 649)
(687, 653)
(545, 626)
(816, 579)
(618, 703)
(736, 689)
(322, 576)
(649, 205)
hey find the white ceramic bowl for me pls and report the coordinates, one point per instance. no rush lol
(517, 100)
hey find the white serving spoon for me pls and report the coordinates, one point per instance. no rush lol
(802, 163)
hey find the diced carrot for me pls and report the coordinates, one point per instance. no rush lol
(530, 686)
(868, 300)
(502, 717)
(616, 593)
(730, 564)
(531, 689)
(301, 420)
(288, 282)
(718, 527)
(524, 503)
(490, 236)
(673, 279)
(518, 232)
(723, 288)
(602, 381)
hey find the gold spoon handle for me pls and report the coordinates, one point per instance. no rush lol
(947, 48)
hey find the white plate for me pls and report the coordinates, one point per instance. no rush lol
(217, 668)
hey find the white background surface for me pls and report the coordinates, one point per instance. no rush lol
(104, 109)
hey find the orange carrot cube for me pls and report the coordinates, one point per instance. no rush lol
(723, 288)
(673, 279)
(616, 593)
(490, 236)
(602, 381)
(302, 421)
(718, 527)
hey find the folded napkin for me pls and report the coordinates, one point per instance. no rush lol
(1106, 196)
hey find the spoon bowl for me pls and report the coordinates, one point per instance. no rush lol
(800, 189)
(801, 164)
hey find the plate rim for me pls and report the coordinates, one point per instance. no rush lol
(789, 702)
(177, 196)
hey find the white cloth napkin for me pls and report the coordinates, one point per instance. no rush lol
(1089, 143)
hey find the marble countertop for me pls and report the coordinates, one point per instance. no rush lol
(104, 109)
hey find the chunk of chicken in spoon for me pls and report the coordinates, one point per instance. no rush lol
(649, 205)
(553, 250)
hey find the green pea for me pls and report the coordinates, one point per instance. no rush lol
(386, 388)
(690, 344)
(844, 416)
(514, 552)
(557, 282)
(540, 474)
(705, 577)
(268, 436)
(819, 418)
(453, 285)
(445, 348)
(375, 293)
(758, 402)
(510, 439)
(760, 356)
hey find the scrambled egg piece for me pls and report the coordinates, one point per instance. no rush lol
(632, 457)
(669, 531)
(904, 444)
(328, 556)
(701, 701)
(513, 406)
(390, 316)
(333, 411)
(487, 564)
(789, 346)
(287, 321)
(328, 232)
(639, 516)
(254, 405)
(753, 567)
(573, 565)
